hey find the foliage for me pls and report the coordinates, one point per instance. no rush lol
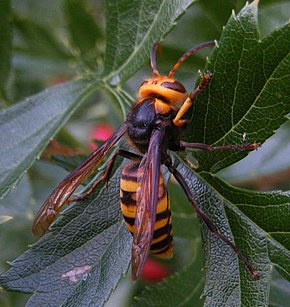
(80, 261)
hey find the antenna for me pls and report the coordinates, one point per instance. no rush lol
(153, 59)
(188, 54)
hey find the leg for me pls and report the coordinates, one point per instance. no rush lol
(211, 226)
(107, 173)
(188, 102)
(206, 147)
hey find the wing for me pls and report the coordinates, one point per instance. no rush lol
(64, 190)
(147, 198)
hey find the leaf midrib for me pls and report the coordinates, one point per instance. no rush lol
(136, 49)
(271, 78)
(101, 256)
(229, 204)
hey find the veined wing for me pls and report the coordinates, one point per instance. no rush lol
(147, 198)
(64, 190)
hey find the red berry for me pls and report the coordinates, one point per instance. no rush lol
(154, 271)
(100, 132)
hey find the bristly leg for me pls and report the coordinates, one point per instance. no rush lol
(178, 121)
(206, 147)
(211, 226)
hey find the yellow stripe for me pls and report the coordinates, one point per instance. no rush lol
(162, 107)
(129, 186)
(130, 228)
(159, 239)
(160, 224)
(166, 254)
(162, 204)
(129, 210)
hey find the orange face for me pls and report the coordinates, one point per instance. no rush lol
(167, 89)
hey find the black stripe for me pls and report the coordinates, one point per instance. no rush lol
(162, 231)
(160, 216)
(127, 199)
(129, 177)
(129, 220)
(161, 97)
(163, 215)
(164, 245)
(166, 241)
(157, 233)
(162, 251)
(175, 86)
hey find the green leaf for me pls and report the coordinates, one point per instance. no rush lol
(279, 292)
(132, 28)
(69, 163)
(16, 204)
(204, 22)
(83, 30)
(16, 212)
(210, 16)
(27, 127)
(272, 158)
(184, 219)
(80, 261)
(39, 41)
(248, 92)
(243, 217)
(40, 105)
(180, 289)
(5, 45)
(5, 218)
(57, 261)
(272, 15)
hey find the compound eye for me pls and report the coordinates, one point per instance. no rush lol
(175, 86)
(144, 83)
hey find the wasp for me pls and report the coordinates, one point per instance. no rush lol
(152, 129)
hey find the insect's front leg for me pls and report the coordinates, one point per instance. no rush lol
(189, 101)
(107, 173)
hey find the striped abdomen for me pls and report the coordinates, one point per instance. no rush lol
(161, 245)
